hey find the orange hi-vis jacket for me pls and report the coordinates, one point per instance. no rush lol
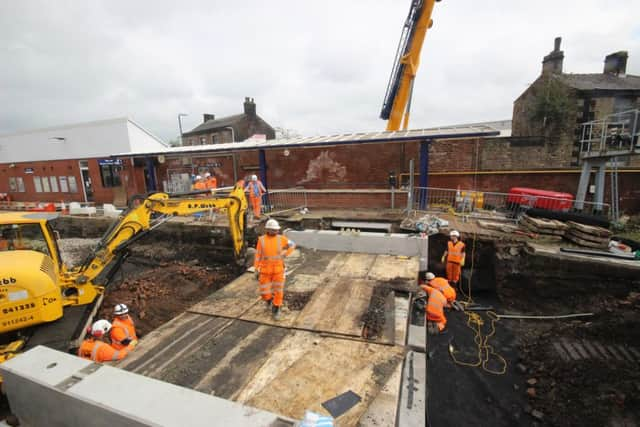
(442, 284)
(100, 351)
(123, 332)
(435, 306)
(455, 252)
(211, 183)
(255, 189)
(200, 186)
(270, 253)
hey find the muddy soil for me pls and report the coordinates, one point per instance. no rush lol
(592, 391)
(158, 294)
(296, 301)
(374, 318)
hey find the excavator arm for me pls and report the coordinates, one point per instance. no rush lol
(144, 214)
(396, 107)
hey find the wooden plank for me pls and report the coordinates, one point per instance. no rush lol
(498, 226)
(400, 273)
(588, 237)
(589, 229)
(383, 410)
(232, 300)
(357, 265)
(303, 283)
(330, 367)
(413, 407)
(585, 243)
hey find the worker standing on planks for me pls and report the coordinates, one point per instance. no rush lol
(256, 190)
(271, 250)
(123, 330)
(211, 183)
(435, 307)
(441, 284)
(454, 257)
(94, 348)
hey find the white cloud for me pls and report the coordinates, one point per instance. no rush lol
(317, 67)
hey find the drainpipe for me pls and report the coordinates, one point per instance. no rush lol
(424, 173)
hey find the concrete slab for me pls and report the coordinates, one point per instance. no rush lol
(384, 408)
(412, 408)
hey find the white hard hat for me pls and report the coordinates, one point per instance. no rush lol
(207, 175)
(100, 328)
(430, 276)
(454, 233)
(272, 224)
(120, 309)
(198, 177)
(254, 177)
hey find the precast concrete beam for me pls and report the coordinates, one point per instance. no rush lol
(48, 387)
(363, 242)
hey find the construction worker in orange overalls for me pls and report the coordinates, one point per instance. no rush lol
(123, 331)
(94, 348)
(271, 250)
(435, 307)
(210, 181)
(256, 190)
(441, 284)
(454, 257)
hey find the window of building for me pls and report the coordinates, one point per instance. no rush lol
(13, 185)
(37, 183)
(45, 185)
(214, 138)
(203, 140)
(20, 183)
(64, 188)
(54, 184)
(73, 185)
(110, 172)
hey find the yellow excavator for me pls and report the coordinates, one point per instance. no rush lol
(42, 301)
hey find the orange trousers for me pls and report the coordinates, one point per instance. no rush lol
(256, 204)
(272, 287)
(453, 272)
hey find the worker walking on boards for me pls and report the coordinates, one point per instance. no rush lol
(454, 257)
(441, 284)
(94, 348)
(435, 307)
(256, 190)
(123, 331)
(271, 250)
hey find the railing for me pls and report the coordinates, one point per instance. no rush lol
(512, 206)
(614, 135)
(276, 201)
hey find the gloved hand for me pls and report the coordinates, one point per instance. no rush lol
(462, 263)
(444, 258)
(133, 344)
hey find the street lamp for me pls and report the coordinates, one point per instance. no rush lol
(180, 124)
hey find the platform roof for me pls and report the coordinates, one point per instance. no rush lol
(450, 132)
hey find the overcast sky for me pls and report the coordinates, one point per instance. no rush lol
(319, 67)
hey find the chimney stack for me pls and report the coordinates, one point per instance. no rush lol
(616, 63)
(249, 107)
(552, 63)
(207, 117)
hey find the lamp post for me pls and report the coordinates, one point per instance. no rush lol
(180, 124)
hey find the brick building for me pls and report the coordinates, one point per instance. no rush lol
(234, 128)
(556, 103)
(73, 163)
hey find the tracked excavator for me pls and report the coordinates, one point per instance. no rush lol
(44, 302)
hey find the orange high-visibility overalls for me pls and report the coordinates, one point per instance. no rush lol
(435, 307)
(442, 284)
(256, 190)
(455, 253)
(99, 351)
(270, 254)
(122, 331)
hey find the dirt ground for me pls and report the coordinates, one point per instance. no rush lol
(588, 392)
(157, 294)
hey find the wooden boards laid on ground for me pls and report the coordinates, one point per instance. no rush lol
(588, 235)
(229, 346)
(544, 226)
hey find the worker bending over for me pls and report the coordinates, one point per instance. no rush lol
(435, 307)
(271, 250)
(441, 284)
(256, 190)
(210, 181)
(454, 257)
(123, 331)
(94, 348)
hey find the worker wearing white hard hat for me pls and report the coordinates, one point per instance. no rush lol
(199, 185)
(123, 330)
(454, 257)
(95, 348)
(256, 189)
(441, 284)
(271, 250)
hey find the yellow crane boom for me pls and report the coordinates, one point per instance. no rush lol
(396, 107)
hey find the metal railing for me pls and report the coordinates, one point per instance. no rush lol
(276, 201)
(467, 201)
(616, 134)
